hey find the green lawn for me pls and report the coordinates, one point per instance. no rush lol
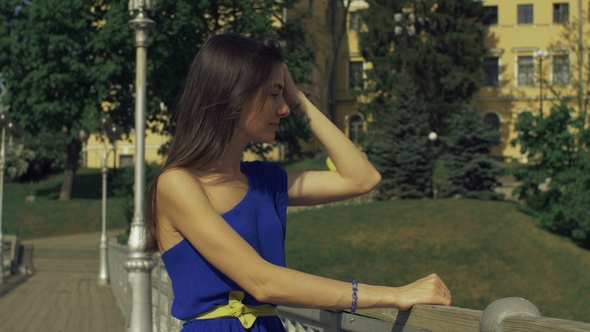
(483, 250)
(48, 216)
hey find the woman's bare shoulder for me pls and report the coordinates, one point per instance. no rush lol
(178, 178)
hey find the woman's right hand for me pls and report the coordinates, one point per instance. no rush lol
(427, 290)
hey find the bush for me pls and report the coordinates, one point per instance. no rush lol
(47, 155)
(18, 159)
(123, 186)
(124, 179)
(559, 146)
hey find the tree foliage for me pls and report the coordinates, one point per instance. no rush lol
(443, 56)
(472, 174)
(66, 62)
(555, 185)
(398, 143)
(42, 153)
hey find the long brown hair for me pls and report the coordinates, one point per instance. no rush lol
(225, 75)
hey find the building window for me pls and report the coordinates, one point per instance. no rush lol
(356, 21)
(561, 12)
(491, 71)
(491, 15)
(561, 69)
(125, 160)
(525, 14)
(354, 128)
(526, 70)
(355, 74)
(492, 121)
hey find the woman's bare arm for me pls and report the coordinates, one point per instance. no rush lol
(184, 206)
(354, 176)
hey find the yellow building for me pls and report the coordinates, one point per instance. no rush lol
(532, 59)
(123, 153)
(350, 65)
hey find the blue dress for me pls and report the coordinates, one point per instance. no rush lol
(260, 218)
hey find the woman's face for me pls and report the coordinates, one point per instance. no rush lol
(260, 118)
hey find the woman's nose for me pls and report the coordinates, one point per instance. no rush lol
(283, 110)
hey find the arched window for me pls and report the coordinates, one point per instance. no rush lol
(355, 127)
(492, 120)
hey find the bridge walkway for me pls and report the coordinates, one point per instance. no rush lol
(63, 295)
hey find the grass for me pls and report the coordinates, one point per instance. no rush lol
(48, 216)
(483, 250)
(317, 164)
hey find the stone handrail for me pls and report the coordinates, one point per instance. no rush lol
(508, 314)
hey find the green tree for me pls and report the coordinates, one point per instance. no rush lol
(472, 173)
(66, 62)
(556, 183)
(46, 62)
(398, 143)
(443, 55)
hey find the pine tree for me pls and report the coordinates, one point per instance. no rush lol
(443, 55)
(398, 143)
(472, 174)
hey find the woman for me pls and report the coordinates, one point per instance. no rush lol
(220, 223)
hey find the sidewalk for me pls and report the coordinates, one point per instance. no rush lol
(59, 301)
(85, 239)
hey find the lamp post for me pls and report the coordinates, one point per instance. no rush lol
(13, 128)
(540, 55)
(83, 137)
(113, 133)
(405, 27)
(432, 137)
(138, 264)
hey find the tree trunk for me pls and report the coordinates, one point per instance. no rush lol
(337, 16)
(73, 150)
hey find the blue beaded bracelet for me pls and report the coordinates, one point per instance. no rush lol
(355, 288)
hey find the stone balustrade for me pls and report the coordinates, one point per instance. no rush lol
(504, 315)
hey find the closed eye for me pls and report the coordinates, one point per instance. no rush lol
(274, 95)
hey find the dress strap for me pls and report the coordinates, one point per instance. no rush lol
(235, 308)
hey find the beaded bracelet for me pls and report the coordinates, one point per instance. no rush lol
(355, 288)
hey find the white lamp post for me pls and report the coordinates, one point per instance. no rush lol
(432, 137)
(138, 263)
(113, 133)
(83, 137)
(538, 54)
(13, 128)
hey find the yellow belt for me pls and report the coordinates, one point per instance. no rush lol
(235, 308)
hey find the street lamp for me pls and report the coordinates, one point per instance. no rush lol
(139, 264)
(83, 137)
(113, 133)
(432, 137)
(540, 55)
(13, 128)
(405, 27)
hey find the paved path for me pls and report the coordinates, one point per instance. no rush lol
(58, 299)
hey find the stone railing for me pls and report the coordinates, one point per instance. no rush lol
(504, 315)
(508, 314)
(161, 290)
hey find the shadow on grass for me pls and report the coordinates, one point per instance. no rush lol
(86, 186)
